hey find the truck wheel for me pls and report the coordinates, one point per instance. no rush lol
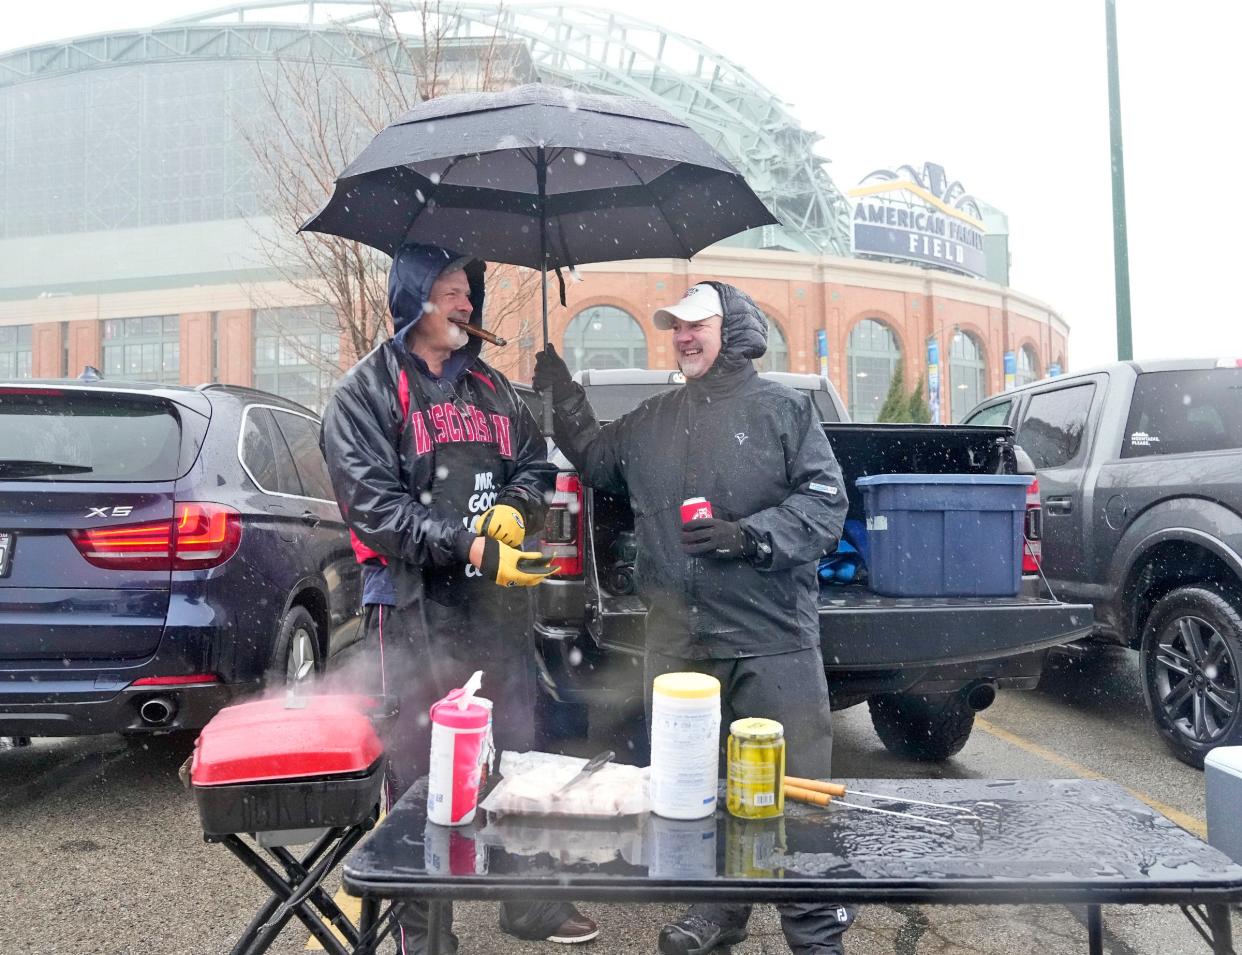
(297, 644)
(1192, 651)
(927, 728)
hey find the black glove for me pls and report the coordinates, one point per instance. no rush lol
(551, 372)
(711, 537)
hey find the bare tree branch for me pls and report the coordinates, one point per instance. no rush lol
(317, 117)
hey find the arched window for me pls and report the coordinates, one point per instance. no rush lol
(776, 358)
(1028, 366)
(871, 353)
(604, 336)
(967, 374)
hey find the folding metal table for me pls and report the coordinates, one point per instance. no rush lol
(1072, 842)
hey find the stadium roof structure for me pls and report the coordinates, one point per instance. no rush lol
(580, 48)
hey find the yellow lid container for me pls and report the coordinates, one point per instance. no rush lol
(757, 728)
(686, 686)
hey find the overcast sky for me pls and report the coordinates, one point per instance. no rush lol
(1011, 98)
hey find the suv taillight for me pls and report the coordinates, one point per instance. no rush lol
(1032, 529)
(197, 537)
(562, 531)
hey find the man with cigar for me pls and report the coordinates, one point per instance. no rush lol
(733, 595)
(441, 473)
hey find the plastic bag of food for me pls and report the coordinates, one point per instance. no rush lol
(533, 783)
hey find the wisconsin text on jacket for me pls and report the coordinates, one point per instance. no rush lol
(444, 423)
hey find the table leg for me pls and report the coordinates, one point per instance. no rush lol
(1222, 929)
(1095, 931)
(434, 917)
(376, 924)
(370, 912)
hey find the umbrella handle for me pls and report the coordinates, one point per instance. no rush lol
(547, 413)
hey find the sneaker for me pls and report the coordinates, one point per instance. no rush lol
(574, 930)
(694, 935)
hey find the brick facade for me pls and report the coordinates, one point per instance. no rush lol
(800, 293)
(805, 293)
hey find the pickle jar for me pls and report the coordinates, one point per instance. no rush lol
(756, 768)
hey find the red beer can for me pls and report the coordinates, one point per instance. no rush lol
(694, 508)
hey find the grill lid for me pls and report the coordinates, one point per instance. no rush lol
(265, 741)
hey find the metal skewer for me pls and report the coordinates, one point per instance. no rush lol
(836, 790)
(903, 815)
(916, 802)
(823, 799)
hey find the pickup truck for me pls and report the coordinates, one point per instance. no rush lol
(924, 666)
(1140, 472)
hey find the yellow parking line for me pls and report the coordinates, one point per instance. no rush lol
(1185, 820)
(351, 906)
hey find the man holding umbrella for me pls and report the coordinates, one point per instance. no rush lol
(734, 595)
(441, 473)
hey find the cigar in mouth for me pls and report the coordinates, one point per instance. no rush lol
(482, 333)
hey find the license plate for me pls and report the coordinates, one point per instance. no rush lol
(7, 539)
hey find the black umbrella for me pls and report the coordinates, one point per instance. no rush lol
(543, 177)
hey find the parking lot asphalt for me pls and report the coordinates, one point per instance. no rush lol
(103, 851)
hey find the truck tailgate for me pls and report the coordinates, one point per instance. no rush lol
(861, 630)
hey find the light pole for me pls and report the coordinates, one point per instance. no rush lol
(1121, 248)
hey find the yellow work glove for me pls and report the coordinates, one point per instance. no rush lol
(501, 522)
(510, 567)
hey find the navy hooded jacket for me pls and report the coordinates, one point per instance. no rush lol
(388, 415)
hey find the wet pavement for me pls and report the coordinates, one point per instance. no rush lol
(103, 852)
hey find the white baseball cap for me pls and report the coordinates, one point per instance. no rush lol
(700, 301)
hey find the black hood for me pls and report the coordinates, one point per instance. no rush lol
(414, 271)
(744, 333)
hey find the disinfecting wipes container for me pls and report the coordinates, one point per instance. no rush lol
(458, 729)
(685, 745)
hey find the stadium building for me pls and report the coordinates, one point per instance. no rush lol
(136, 232)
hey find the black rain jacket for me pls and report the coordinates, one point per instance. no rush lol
(387, 415)
(756, 451)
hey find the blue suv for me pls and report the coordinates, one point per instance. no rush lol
(162, 550)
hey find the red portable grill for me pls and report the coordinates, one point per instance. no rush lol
(306, 770)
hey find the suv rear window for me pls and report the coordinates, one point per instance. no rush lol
(1180, 412)
(87, 436)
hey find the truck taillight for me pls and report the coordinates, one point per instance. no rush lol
(198, 536)
(562, 531)
(1032, 529)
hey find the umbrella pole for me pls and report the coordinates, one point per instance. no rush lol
(541, 177)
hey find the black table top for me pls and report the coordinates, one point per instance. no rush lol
(1048, 841)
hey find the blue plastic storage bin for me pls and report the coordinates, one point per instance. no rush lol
(945, 535)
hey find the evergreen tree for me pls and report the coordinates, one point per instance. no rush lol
(896, 405)
(920, 411)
